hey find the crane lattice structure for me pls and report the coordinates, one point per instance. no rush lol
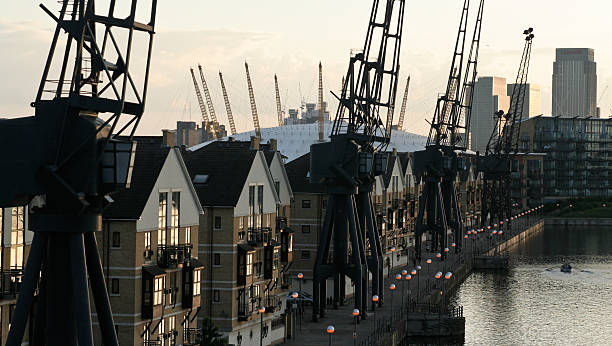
(279, 107)
(65, 162)
(205, 121)
(253, 104)
(228, 108)
(321, 108)
(400, 121)
(349, 163)
(496, 165)
(439, 164)
(216, 130)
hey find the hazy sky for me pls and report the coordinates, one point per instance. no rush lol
(290, 37)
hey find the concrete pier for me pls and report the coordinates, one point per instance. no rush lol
(419, 320)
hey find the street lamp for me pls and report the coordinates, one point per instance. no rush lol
(374, 302)
(295, 296)
(355, 318)
(261, 311)
(392, 288)
(300, 277)
(330, 331)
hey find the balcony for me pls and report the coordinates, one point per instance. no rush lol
(173, 256)
(11, 283)
(272, 303)
(192, 336)
(395, 203)
(259, 236)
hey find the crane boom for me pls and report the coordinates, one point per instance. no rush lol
(199, 96)
(211, 108)
(400, 122)
(321, 108)
(279, 108)
(228, 108)
(253, 104)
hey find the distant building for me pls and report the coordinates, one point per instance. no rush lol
(577, 161)
(532, 106)
(575, 83)
(490, 95)
(309, 116)
(187, 133)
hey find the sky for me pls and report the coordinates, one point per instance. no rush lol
(289, 38)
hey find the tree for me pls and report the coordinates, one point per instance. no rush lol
(210, 334)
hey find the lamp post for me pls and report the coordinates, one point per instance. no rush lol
(300, 277)
(400, 277)
(261, 311)
(355, 318)
(330, 331)
(295, 296)
(374, 302)
(447, 276)
(392, 288)
(408, 277)
(392, 258)
(414, 272)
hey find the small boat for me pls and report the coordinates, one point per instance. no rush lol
(566, 268)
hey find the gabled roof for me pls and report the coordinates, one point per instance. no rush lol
(389, 171)
(298, 173)
(227, 169)
(148, 162)
(405, 161)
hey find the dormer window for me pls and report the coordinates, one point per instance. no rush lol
(201, 179)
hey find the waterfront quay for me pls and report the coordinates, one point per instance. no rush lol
(416, 310)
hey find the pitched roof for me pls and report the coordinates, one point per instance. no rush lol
(148, 162)
(405, 160)
(227, 168)
(389, 171)
(297, 171)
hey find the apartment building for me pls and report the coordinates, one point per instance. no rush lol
(16, 241)
(245, 242)
(151, 268)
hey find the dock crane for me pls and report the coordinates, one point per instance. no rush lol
(253, 104)
(216, 130)
(321, 108)
(350, 161)
(439, 164)
(400, 122)
(206, 121)
(496, 164)
(228, 108)
(67, 160)
(279, 107)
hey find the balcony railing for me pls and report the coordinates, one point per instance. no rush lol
(245, 311)
(173, 256)
(281, 224)
(11, 283)
(259, 236)
(192, 336)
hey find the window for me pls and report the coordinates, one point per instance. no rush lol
(114, 286)
(197, 279)
(147, 240)
(305, 203)
(277, 187)
(162, 332)
(158, 290)
(324, 204)
(172, 327)
(217, 222)
(260, 204)
(116, 239)
(175, 216)
(216, 296)
(173, 288)
(188, 235)
(240, 223)
(305, 228)
(163, 205)
(217, 259)
(305, 254)
(251, 206)
(249, 264)
(17, 228)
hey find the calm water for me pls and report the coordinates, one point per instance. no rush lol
(528, 305)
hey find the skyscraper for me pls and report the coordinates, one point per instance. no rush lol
(490, 95)
(575, 82)
(532, 105)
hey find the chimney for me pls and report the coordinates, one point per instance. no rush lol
(273, 144)
(254, 143)
(169, 138)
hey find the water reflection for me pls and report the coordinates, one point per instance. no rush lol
(534, 303)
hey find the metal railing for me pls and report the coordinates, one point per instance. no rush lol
(259, 236)
(172, 256)
(192, 336)
(11, 283)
